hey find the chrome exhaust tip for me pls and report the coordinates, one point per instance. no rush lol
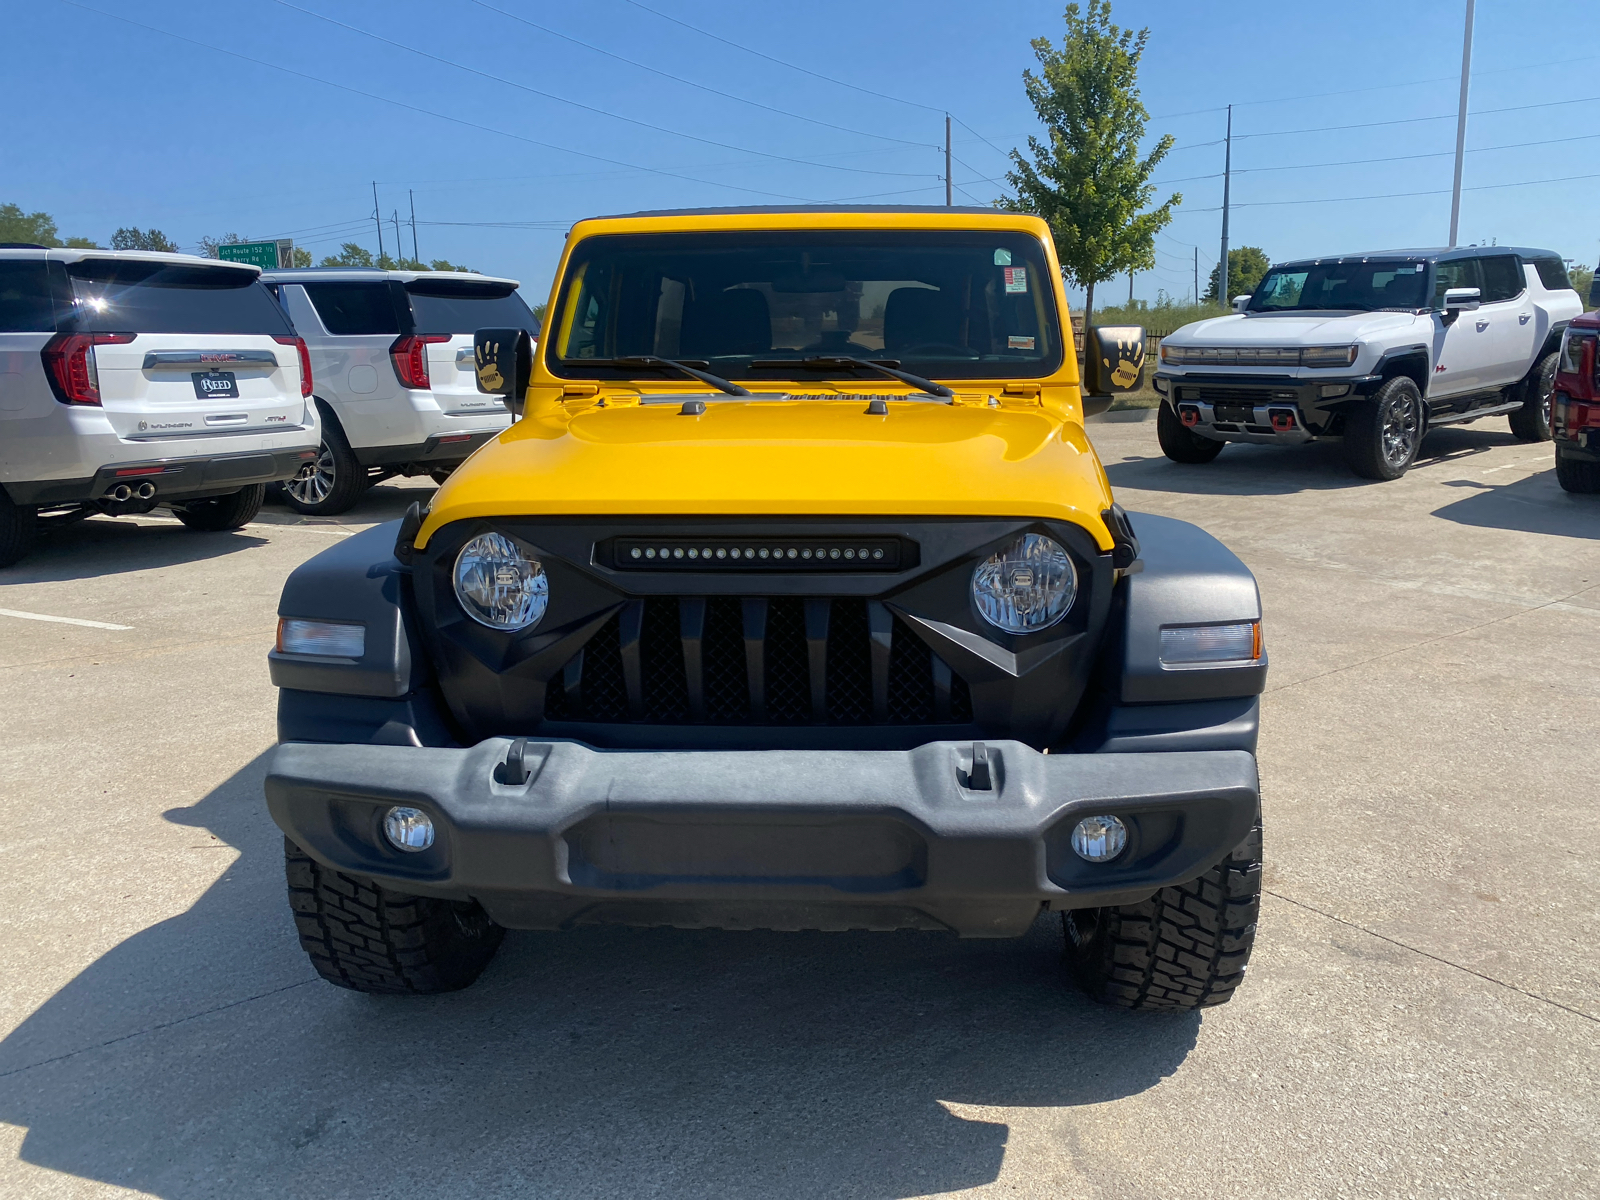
(121, 492)
(146, 490)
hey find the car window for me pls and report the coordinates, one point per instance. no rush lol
(1502, 278)
(1552, 273)
(26, 305)
(448, 307)
(140, 296)
(350, 309)
(1455, 273)
(1358, 284)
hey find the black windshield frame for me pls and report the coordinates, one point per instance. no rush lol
(1421, 294)
(1006, 319)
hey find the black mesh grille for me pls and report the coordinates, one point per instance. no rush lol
(601, 692)
(788, 674)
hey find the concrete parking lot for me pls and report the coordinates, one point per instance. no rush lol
(1422, 1017)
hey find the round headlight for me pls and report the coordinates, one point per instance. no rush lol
(1026, 587)
(500, 586)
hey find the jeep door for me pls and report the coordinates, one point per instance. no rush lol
(185, 351)
(1464, 349)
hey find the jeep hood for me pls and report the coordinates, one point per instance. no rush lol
(784, 458)
(1288, 329)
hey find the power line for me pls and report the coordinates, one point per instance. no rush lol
(691, 83)
(1480, 112)
(1353, 162)
(378, 37)
(344, 87)
(1482, 187)
(792, 66)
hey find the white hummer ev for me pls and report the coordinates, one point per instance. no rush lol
(1374, 349)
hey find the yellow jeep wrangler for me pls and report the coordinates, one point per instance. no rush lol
(795, 598)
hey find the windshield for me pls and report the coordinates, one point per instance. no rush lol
(942, 304)
(1364, 286)
(140, 296)
(444, 306)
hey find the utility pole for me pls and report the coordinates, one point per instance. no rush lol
(1130, 289)
(948, 200)
(413, 197)
(1197, 274)
(377, 217)
(1227, 179)
(397, 243)
(1461, 124)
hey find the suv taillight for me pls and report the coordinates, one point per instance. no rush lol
(69, 364)
(299, 343)
(410, 354)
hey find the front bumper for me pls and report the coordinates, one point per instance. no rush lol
(782, 839)
(1253, 408)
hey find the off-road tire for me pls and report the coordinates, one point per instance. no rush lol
(332, 482)
(1184, 948)
(1180, 444)
(1573, 474)
(364, 937)
(215, 514)
(19, 525)
(1371, 443)
(1531, 422)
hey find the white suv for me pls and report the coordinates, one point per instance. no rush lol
(391, 352)
(1373, 349)
(131, 380)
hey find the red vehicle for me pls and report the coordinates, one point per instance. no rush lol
(1575, 407)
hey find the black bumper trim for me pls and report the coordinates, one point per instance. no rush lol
(435, 450)
(624, 834)
(175, 478)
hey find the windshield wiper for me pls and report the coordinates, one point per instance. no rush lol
(824, 362)
(652, 360)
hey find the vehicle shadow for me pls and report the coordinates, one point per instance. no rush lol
(1250, 470)
(111, 546)
(382, 503)
(1533, 504)
(200, 1057)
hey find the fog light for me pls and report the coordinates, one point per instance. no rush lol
(411, 830)
(328, 639)
(1099, 839)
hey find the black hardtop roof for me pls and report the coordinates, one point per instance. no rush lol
(1426, 253)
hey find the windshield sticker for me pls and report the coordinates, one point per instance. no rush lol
(1002, 258)
(1016, 279)
(1019, 343)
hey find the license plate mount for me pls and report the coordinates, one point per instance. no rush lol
(215, 385)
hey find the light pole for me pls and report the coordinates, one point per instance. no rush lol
(1461, 124)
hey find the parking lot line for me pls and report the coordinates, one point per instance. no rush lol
(28, 616)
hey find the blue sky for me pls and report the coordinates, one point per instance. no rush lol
(112, 124)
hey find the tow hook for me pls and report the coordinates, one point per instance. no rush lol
(1189, 414)
(1283, 420)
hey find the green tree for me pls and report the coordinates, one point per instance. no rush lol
(1090, 181)
(350, 255)
(538, 316)
(134, 238)
(1581, 278)
(38, 228)
(302, 258)
(208, 245)
(82, 243)
(1246, 266)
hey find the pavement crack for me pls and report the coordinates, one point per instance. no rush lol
(1577, 1012)
(1521, 612)
(45, 1062)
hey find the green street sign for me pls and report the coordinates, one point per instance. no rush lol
(269, 256)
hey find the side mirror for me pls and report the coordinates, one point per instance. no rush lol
(1463, 298)
(1239, 303)
(504, 362)
(1113, 361)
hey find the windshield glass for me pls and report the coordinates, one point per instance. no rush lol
(942, 304)
(1364, 286)
(140, 296)
(444, 306)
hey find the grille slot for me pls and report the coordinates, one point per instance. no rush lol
(731, 661)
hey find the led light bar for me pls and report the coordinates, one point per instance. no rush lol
(758, 554)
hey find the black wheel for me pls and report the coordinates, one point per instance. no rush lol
(1573, 474)
(333, 482)
(1184, 948)
(19, 525)
(368, 939)
(1179, 443)
(215, 514)
(1531, 422)
(1382, 436)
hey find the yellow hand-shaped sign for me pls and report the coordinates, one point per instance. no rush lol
(1129, 362)
(489, 378)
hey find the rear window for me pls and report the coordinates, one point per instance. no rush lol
(1502, 279)
(353, 309)
(130, 296)
(26, 305)
(1552, 273)
(446, 307)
